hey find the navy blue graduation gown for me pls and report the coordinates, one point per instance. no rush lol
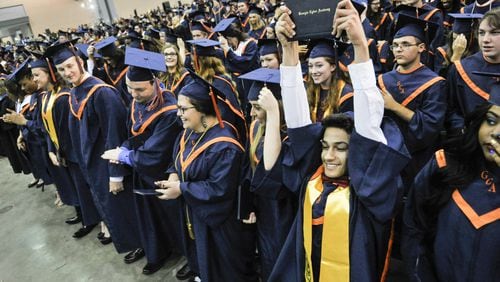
(447, 236)
(116, 76)
(35, 140)
(467, 90)
(97, 124)
(223, 246)
(175, 86)
(375, 186)
(348, 56)
(382, 25)
(8, 139)
(258, 33)
(423, 92)
(151, 139)
(472, 8)
(61, 175)
(276, 208)
(230, 108)
(241, 64)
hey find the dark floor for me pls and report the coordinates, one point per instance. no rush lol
(36, 244)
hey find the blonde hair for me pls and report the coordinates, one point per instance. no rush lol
(260, 24)
(179, 67)
(209, 67)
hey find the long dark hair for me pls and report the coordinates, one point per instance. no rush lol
(203, 106)
(464, 158)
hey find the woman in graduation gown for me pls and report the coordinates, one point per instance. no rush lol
(176, 76)
(347, 174)
(327, 92)
(210, 67)
(275, 205)
(29, 121)
(206, 175)
(452, 216)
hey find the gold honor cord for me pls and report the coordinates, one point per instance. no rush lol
(335, 258)
(48, 118)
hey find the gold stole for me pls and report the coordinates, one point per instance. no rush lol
(47, 117)
(335, 238)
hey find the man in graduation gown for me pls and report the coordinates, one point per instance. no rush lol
(467, 90)
(153, 127)
(414, 95)
(349, 184)
(97, 123)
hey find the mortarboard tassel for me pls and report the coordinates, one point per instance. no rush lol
(216, 108)
(51, 71)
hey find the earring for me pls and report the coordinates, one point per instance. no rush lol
(203, 122)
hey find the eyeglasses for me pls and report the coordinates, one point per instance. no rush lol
(182, 110)
(170, 54)
(403, 46)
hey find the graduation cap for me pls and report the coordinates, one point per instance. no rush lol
(143, 64)
(268, 46)
(464, 23)
(411, 26)
(409, 10)
(82, 48)
(253, 9)
(204, 47)
(325, 47)
(170, 36)
(20, 72)
(224, 27)
(202, 26)
(59, 52)
(263, 77)
(495, 88)
(201, 90)
(197, 15)
(63, 33)
(106, 47)
(152, 34)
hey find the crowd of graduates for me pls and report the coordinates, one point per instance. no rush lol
(208, 131)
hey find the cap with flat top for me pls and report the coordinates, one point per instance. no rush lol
(268, 46)
(204, 47)
(143, 64)
(224, 27)
(406, 25)
(325, 47)
(59, 52)
(464, 23)
(263, 77)
(106, 47)
(20, 72)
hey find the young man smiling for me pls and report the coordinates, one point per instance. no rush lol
(97, 123)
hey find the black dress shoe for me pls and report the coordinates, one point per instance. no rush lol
(100, 235)
(151, 268)
(33, 183)
(105, 240)
(73, 220)
(134, 256)
(184, 273)
(84, 231)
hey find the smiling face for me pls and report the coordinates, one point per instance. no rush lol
(490, 128)
(257, 112)
(190, 117)
(40, 77)
(320, 70)
(170, 57)
(70, 71)
(335, 147)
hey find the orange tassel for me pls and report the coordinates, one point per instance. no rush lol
(216, 108)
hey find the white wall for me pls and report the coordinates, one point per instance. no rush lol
(63, 14)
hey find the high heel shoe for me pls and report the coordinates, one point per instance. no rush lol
(33, 183)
